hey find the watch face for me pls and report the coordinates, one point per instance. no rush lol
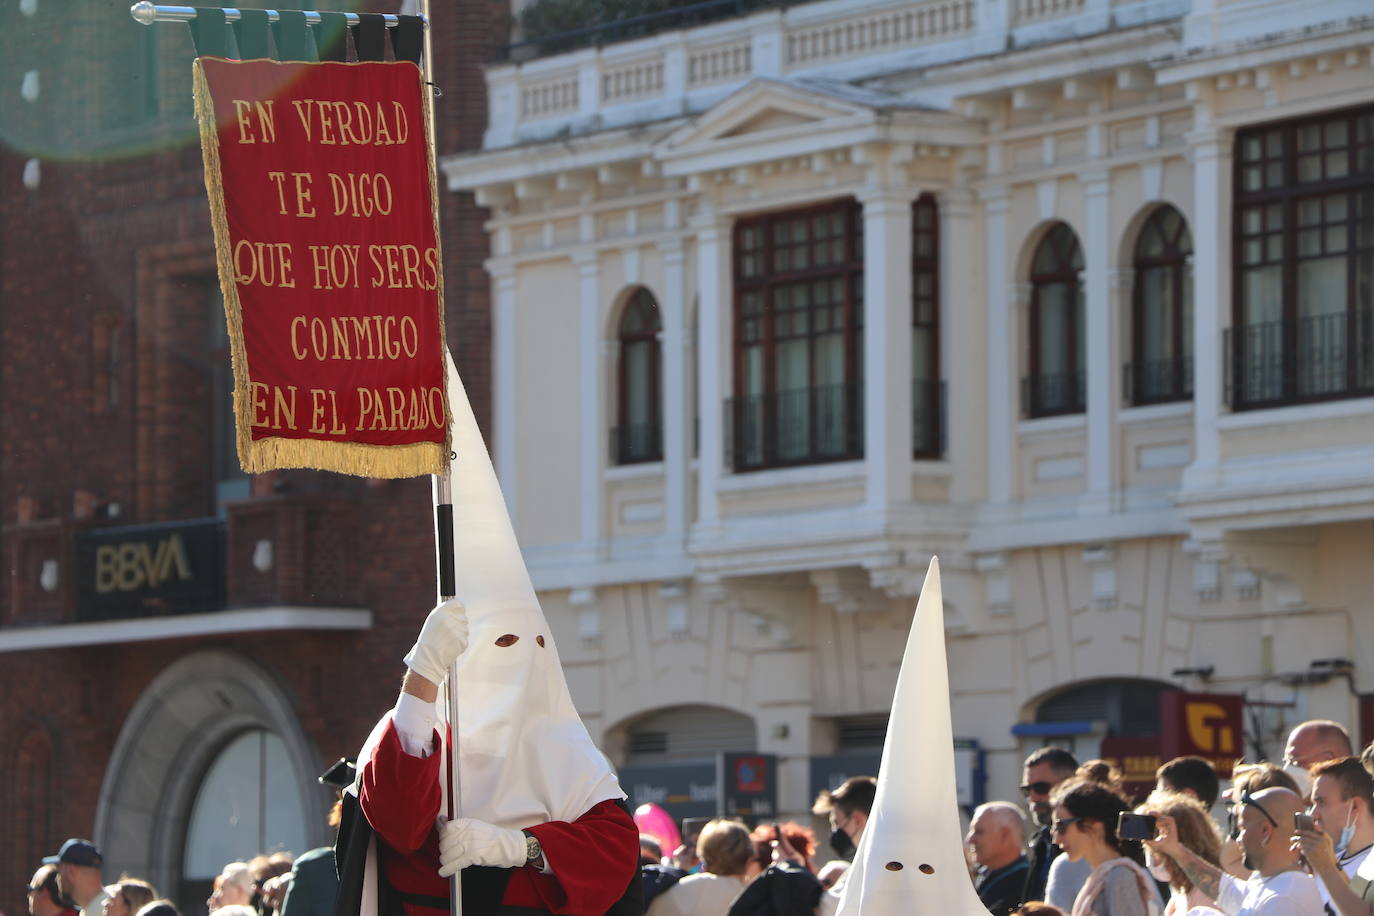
(532, 848)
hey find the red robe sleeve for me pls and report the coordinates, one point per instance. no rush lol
(400, 794)
(592, 858)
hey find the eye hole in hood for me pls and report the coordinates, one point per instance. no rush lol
(509, 639)
(540, 639)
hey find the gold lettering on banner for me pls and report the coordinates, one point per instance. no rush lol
(244, 114)
(360, 194)
(392, 409)
(339, 123)
(352, 337)
(132, 565)
(302, 182)
(399, 267)
(264, 263)
(283, 406)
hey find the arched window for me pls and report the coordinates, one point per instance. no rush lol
(248, 803)
(926, 401)
(638, 435)
(1055, 383)
(1162, 321)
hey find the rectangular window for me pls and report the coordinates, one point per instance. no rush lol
(798, 338)
(1303, 322)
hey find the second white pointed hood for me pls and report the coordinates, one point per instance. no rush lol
(910, 857)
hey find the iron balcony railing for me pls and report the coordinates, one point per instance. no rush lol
(1158, 381)
(928, 418)
(797, 426)
(1052, 393)
(1318, 358)
(636, 443)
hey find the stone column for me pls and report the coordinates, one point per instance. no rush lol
(1004, 360)
(1100, 375)
(1212, 151)
(887, 346)
(674, 395)
(713, 359)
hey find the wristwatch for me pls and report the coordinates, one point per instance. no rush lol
(533, 851)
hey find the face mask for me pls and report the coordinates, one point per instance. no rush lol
(842, 844)
(1158, 869)
(1343, 841)
(1301, 777)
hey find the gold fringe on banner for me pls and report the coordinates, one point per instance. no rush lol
(257, 456)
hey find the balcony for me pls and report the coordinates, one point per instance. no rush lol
(1319, 358)
(794, 427)
(681, 61)
(636, 443)
(1053, 393)
(1158, 381)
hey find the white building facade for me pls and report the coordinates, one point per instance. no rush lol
(1076, 294)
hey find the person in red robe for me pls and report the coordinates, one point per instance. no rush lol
(540, 824)
(581, 868)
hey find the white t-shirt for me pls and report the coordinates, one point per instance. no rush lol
(1350, 865)
(1289, 893)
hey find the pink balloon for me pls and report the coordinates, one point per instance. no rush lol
(656, 822)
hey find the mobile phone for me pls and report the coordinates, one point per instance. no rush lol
(1135, 826)
(1303, 821)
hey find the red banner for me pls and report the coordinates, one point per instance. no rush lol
(322, 194)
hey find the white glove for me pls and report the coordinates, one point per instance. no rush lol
(464, 841)
(442, 639)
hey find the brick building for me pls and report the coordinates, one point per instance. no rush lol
(164, 618)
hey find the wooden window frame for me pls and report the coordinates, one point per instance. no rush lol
(765, 283)
(930, 400)
(1282, 188)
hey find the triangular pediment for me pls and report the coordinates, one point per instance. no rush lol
(765, 109)
(769, 119)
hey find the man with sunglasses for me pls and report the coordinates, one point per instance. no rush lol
(1277, 886)
(1044, 769)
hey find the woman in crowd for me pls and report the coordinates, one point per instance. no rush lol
(797, 845)
(1066, 878)
(725, 849)
(127, 896)
(1196, 831)
(1084, 827)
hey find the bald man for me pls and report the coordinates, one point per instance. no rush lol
(996, 835)
(1277, 885)
(1311, 743)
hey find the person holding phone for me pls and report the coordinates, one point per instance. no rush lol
(1198, 832)
(1085, 827)
(1277, 886)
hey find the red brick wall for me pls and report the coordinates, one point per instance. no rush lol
(109, 255)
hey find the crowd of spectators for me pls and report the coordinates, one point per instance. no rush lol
(1289, 840)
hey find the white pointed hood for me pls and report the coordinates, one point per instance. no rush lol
(910, 857)
(524, 756)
